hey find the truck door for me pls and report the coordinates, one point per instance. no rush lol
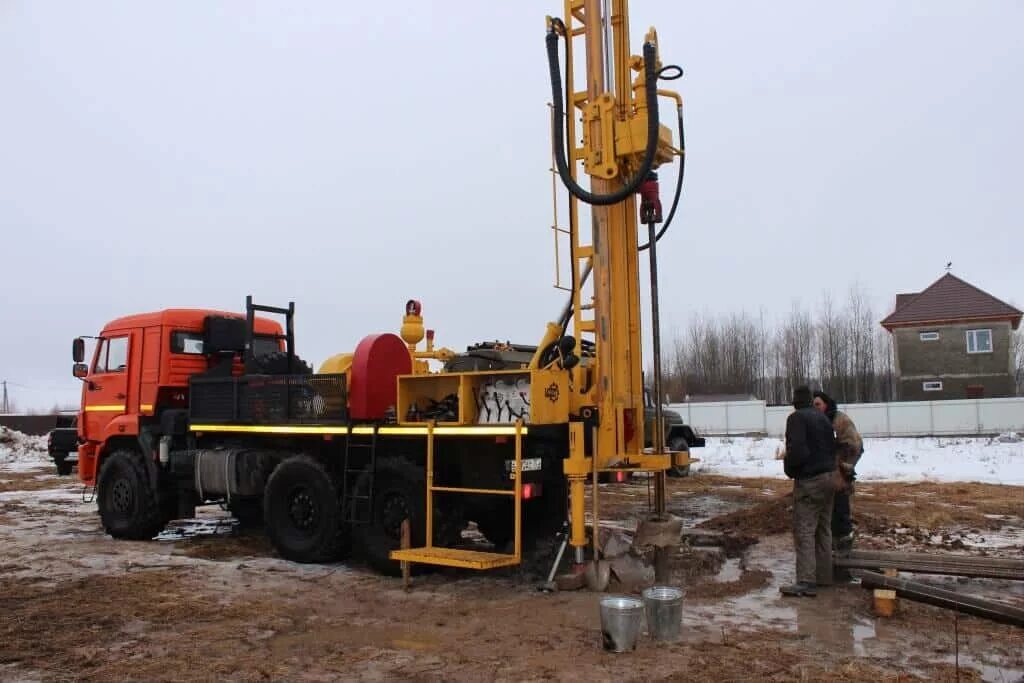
(106, 389)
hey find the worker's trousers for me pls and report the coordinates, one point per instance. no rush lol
(842, 524)
(812, 528)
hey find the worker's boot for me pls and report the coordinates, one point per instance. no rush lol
(843, 544)
(800, 589)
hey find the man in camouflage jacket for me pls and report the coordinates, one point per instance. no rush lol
(849, 448)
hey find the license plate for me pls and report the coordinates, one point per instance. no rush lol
(529, 465)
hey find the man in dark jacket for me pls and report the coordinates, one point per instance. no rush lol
(810, 462)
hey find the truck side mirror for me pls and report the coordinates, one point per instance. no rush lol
(80, 370)
(78, 350)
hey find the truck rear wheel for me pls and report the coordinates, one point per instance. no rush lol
(302, 512)
(678, 443)
(128, 501)
(399, 493)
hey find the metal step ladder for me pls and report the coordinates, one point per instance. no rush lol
(456, 557)
(360, 461)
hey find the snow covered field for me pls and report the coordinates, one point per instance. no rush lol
(986, 460)
(21, 452)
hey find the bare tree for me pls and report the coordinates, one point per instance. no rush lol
(842, 350)
(886, 366)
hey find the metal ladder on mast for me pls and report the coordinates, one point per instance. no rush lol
(457, 557)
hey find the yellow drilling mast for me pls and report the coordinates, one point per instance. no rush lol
(579, 401)
(622, 143)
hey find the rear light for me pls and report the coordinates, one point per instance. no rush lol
(532, 490)
(628, 425)
(620, 476)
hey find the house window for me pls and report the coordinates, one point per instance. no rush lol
(929, 336)
(979, 341)
(932, 386)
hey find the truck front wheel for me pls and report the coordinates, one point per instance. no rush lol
(302, 512)
(128, 501)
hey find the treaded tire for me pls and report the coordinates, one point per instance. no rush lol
(129, 503)
(64, 467)
(399, 492)
(302, 512)
(678, 443)
(276, 363)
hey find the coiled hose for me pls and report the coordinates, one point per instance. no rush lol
(558, 139)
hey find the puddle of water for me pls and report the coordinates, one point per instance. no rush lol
(834, 619)
(695, 509)
(730, 571)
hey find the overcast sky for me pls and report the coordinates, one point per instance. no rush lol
(351, 155)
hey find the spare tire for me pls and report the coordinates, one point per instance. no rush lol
(276, 363)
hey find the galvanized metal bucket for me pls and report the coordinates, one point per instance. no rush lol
(664, 608)
(621, 621)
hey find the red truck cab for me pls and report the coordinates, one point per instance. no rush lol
(141, 365)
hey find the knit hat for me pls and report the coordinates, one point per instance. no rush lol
(802, 397)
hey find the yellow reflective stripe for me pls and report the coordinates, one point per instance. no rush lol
(104, 408)
(269, 429)
(363, 431)
(478, 431)
(147, 407)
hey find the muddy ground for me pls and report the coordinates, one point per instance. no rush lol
(76, 605)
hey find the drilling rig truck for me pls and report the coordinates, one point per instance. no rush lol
(184, 406)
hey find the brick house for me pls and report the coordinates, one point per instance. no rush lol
(953, 340)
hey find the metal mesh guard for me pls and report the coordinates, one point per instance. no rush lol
(269, 399)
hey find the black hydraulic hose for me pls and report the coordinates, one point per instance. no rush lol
(558, 141)
(679, 182)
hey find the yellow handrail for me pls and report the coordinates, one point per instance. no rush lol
(430, 485)
(518, 474)
(486, 492)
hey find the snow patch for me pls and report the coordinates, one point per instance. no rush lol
(21, 452)
(985, 460)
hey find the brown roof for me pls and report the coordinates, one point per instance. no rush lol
(950, 299)
(904, 298)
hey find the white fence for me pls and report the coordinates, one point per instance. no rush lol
(908, 418)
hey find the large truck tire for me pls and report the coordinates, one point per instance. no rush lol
(276, 363)
(678, 443)
(400, 493)
(302, 512)
(128, 501)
